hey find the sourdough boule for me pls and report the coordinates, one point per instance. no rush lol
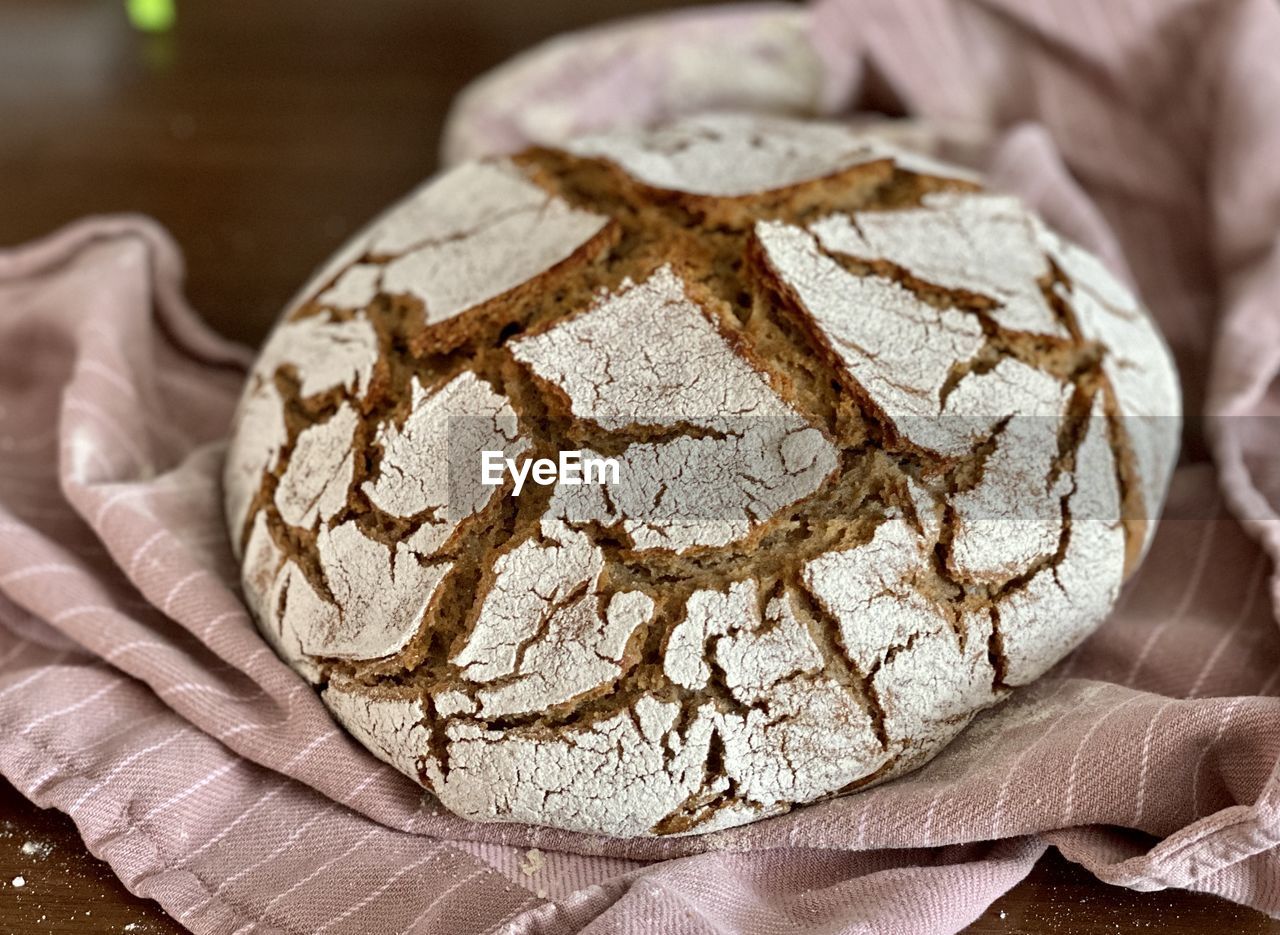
(885, 448)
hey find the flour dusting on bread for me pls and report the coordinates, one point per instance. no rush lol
(889, 449)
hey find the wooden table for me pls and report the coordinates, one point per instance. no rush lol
(261, 134)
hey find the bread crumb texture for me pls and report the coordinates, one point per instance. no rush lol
(892, 446)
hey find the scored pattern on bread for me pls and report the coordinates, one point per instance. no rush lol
(902, 357)
(650, 357)
(1141, 382)
(882, 471)
(706, 155)
(452, 425)
(978, 243)
(316, 482)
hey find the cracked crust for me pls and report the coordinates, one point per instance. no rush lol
(893, 447)
(735, 155)
(444, 431)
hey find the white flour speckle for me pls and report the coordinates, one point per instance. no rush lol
(36, 848)
(533, 862)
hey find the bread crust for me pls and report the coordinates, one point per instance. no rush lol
(886, 465)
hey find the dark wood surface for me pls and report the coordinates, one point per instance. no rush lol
(261, 134)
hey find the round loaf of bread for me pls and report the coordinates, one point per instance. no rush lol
(874, 446)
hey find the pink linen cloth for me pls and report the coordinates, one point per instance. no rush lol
(136, 695)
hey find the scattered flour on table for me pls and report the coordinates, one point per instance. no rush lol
(39, 849)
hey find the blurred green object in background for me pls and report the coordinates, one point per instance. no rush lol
(151, 15)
